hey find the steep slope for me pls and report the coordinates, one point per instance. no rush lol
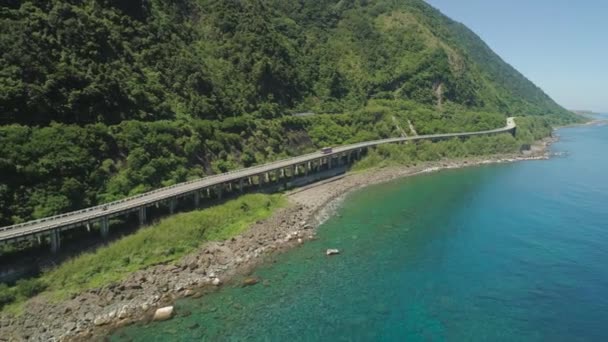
(107, 61)
(100, 99)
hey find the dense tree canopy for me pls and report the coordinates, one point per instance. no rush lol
(89, 61)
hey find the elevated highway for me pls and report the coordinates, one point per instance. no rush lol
(211, 187)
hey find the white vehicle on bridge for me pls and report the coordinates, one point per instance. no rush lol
(326, 150)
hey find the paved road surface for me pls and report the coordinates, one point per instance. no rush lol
(133, 203)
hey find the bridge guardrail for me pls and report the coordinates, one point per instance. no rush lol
(114, 203)
(337, 150)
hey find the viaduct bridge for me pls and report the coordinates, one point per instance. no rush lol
(210, 187)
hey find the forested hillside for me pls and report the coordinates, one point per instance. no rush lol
(100, 99)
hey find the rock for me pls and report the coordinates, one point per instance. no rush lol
(123, 312)
(133, 286)
(89, 317)
(70, 326)
(216, 281)
(188, 293)
(122, 323)
(249, 282)
(300, 241)
(163, 314)
(332, 251)
(101, 320)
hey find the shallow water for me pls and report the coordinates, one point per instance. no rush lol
(511, 252)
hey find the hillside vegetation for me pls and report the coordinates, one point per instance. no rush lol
(100, 99)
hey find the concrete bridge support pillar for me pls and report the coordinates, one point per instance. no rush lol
(197, 199)
(277, 176)
(329, 162)
(55, 240)
(142, 216)
(172, 205)
(359, 154)
(241, 185)
(219, 189)
(104, 227)
(348, 157)
(292, 171)
(260, 181)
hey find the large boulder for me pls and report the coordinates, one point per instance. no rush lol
(101, 320)
(249, 281)
(332, 251)
(163, 314)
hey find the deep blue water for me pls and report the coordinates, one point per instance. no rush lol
(515, 252)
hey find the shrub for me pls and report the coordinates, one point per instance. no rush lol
(6, 295)
(30, 287)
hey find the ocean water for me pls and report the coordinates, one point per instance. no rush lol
(515, 252)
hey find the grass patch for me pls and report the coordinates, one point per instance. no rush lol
(166, 241)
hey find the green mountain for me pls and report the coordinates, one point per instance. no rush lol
(100, 99)
(108, 61)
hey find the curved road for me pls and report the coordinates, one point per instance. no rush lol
(84, 216)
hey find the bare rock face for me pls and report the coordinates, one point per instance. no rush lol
(332, 251)
(163, 314)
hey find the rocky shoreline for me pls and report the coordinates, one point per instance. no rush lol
(93, 314)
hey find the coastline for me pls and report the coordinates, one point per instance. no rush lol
(95, 313)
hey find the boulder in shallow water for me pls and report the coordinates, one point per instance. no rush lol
(163, 314)
(249, 281)
(332, 251)
(216, 281)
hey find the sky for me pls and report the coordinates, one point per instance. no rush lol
(560, 45)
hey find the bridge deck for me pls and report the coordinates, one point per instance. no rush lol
(143, 200)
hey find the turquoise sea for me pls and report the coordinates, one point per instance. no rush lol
(515, 252)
